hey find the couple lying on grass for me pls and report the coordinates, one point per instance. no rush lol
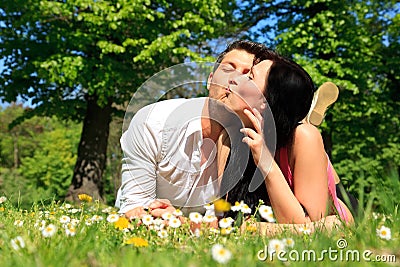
(253, 138)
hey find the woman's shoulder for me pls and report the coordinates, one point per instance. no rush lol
(308, 146)
(307, 137)
(307, 131)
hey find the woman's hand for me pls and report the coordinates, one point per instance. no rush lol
(254, 138)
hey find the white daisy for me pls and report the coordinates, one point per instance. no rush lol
(3, 199)
(70, 231)
(167, 216)
(195, 217)
(288, 242)
(19, 223)
(384, 232)
(73, 211)
(209, 218)
(107, 210)
(158, 221)
(147, 219)
(67, 206)
(305, 229)
(245, 209)
(75, 222)
(112, 218)
(174, 223)
(220, 254)
(49, 230)
(275, 246)
(177, 213)
(65, 219)
(214, 230)
(267, 213)
(209, 206)
(225, 222)
(237, 206)
(17, 243)
(96, 218)
(158, 224)
(162, 234)
(40, 224)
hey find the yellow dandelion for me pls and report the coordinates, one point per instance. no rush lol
(137, 242)
(2, 209)
(85, 198)
(121, 223)
(251, 228)
(226, 231)
(221, 205)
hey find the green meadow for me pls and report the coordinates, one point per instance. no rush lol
(92, 234)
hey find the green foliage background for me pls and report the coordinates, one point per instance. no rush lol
(45, 157)
(355, 45)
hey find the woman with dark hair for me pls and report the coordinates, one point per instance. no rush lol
(299, 181)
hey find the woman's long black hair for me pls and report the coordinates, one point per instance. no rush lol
(289, 92)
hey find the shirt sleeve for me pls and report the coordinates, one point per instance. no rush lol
(140, 149)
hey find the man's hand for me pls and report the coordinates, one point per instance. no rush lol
(137, 212)
(157, 208)
(160, 206)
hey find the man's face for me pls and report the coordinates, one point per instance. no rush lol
(238, 84)
(235, 61)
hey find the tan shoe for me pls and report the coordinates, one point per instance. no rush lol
(325, 96)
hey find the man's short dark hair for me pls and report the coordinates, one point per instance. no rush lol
(260, 51)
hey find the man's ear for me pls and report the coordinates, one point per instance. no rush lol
(209, 80)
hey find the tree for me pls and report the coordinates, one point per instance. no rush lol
(81, 59)
(356, 45)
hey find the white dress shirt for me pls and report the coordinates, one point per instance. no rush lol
(162, 158)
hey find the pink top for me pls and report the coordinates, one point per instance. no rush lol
(285, 168)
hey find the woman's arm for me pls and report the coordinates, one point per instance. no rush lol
(309, 163)
(328, 223)
(309, 173)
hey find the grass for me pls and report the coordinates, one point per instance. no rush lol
(99, 240)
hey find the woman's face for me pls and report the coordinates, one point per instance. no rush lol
(247, 90)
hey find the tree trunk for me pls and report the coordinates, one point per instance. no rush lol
(16, 152)
(327, 136)
(92, 151)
